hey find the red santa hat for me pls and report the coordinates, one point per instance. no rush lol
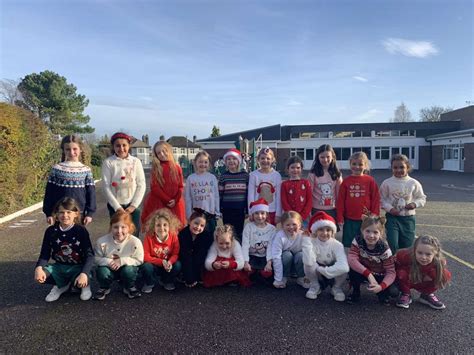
(260, 205)
(322, 219)
(233, 152)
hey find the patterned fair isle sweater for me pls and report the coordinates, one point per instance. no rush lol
(70, 179)
(233, 190)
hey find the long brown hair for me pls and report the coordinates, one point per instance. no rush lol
(72, 138)
(157, 169)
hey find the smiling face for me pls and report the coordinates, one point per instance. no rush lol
(202, 164)
(357, 167)
(325, 159)
(424, 254)
(121, 148)
(162, 228)
(295, 170)
(372, 234)
(197, 225)
(120, 231)
(224, 242)
(260, 218)
(265, 160)
(72, 151)
(324, 233)
(65, 217)
(232, 164)
(161, 153)
(399, 169)
(291, 227)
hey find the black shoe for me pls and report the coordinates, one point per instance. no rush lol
(353, 298)
(132, 292)
(101, 293)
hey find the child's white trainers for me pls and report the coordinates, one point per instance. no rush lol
(338, 294)
(303, 282)
(313, 293)
(280, 284)
(86, 293)
(55, 293)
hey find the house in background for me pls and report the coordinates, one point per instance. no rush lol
(183, 148)
(141, 149)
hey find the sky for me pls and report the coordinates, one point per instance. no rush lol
(179, 67)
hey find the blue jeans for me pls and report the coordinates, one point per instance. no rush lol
(151, 273)
(292, 263)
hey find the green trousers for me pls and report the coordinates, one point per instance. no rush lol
(349, 231)
(127, 274)
(400, 231)
(63, 274)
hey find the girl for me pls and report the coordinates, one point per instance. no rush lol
(325, 179)
(233, 189)
(124, 179)
(422, 268)
(371, 260)
(265, 183)
(358, 195)
(401, 195)
(202, 191)
(287, 256)
(71, 178)
(166, 184)
(324, 259)
(224, 261)
(194, 243)
(68, 243)
(296, 192)
(118, 256)
(161, 249)
(257, 239)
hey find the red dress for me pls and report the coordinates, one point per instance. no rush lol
(223, 276)
(160, 196)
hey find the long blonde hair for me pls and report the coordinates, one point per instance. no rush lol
(157, 169)
(438, 260)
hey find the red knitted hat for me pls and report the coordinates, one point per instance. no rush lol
(120, 135)
(260, 205)
(322, 219)
(234, 153)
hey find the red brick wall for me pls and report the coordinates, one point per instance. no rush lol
(437, 157)
(424, 158)
(469, 155)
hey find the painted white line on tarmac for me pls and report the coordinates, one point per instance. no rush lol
(459, 260)
(443, 226)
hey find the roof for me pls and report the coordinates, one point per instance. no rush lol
(268, 133)
(136, 143)
(182, 142)
(462, 133)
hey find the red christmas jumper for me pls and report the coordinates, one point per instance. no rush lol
(155, 251)
(296, 196)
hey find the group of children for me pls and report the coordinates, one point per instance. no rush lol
(182, 238)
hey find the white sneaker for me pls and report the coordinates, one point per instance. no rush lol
(313, 293)
(86, 293)
(55, 293)
(147, 288)
(303, 282)
(280, 284)
(338, 294)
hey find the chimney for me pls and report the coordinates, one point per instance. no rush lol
(162, 138)
(194, 139)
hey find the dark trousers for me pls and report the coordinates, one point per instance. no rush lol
(357, 279)
(127, 274)
(236, 218)
(193, 265)
(151, 273)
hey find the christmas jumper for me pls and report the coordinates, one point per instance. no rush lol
(403, 263)
(71, 246)
(327, 257)
(202, 192)
(233, 190)
(70, 179)
(296, 196)
(257, 241)
(155, 250)
(378, 260)
(266, 186)
(124, 181)
(324, 191)
(357, 195)
(129, 252)
(193, 252)
(399, 192)
(281, 242)
(159, 196)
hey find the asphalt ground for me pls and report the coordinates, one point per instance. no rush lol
(232, 319)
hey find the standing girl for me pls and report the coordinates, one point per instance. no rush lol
(325, 179)
(224, 261)
(358, 195)
(287, 255)
(422, 268)
(166, 184)
(401, 195)
(124, 179)
(266, 183)
(202, 191)
(296, 192)
(371, 259)
(69, 245)
(233, 186)
(70, 178)
(161, 250)
(118, 256)
(194, 243)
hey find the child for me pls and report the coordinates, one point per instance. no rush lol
(287, 255)
(194, 243)
(325, 179)
(265, 183)
(71, 178)
(296, 192)
(358, 195)
(161, 250)
(202, 191)
(224, 261)
(166, 184)
(256, 240)
(325, 262)
(124, 179)
(118, 256)
(68, 243)
(401, 195)
(422, 268)
(371, 260)
(233, 186)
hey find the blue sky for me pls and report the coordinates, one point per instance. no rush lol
(179, 67)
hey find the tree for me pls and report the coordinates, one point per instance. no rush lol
(9, 91)
(433, 113)
(401, 114)
(216, 132)
(56, 102)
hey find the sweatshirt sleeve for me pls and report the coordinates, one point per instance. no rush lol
(211, 257)
(237, 253)
(45, 253)
(251, 190)
(49, 200)
(374, 198)
(389, 267)
(385, 196)
(285, 205)
(270, 243)
(141, 184)
(107, 184)
(88, 252)
(174, 250)
(278, 212)
(309, 203)
(277, 250)
(188, 197)
(179, 194)
(354, 262)
(309, 258)
(100, 253)
(340, 204)
(340, 266)
(419, 198)
(216, 196)
(246, 242)
(136, 258)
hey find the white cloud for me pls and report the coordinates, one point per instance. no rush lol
(360, 78)
(418, 49)
(293, 103)
(372, 115)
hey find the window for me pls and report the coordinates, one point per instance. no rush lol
(382, 153)
(191, 150)
(299, 152)
(140, 150)
(342, 153)
(342, 134)
(309, 154)
(366, 150)
(183, 151)
(175, 150)
(382, 133)
(366, 133)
